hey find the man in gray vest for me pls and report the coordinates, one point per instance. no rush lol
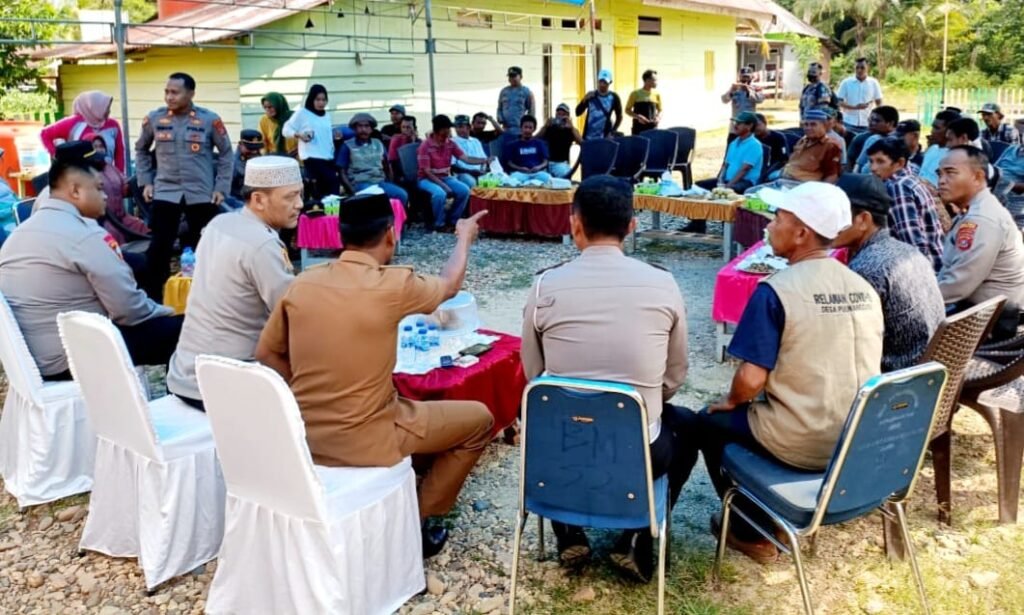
(242, 269)
(983, 255)
(573, 327)
(362, 161)
(809, 337)
(180, 173)
(61, 260)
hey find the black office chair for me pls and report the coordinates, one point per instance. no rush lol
(419, 201)
(597, 157)
(791, 140)
(766, 164)
(631, 159)
(662, 155)
(685, 150)
(22, 210)
(40, 181)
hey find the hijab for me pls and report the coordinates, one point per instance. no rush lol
(281, 115)
(94, 107)
(314, 91)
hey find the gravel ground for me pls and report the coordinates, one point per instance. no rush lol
(40, 571)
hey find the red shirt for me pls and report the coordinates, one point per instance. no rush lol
(437, 156)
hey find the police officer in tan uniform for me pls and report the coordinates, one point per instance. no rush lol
(187, 177)
(983, 255)
(242, 271)
(809, 337)
(61, 260)
(605, 316)
(333, 337)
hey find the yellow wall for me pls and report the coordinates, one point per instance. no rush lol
(469, 82)
(215, 72)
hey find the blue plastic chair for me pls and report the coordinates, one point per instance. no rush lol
(597, 157)
(876, 462)
(586, 462)
(22, 210)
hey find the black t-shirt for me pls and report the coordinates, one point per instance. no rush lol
(560, 141)
(390, 130)
(776, 143)
(486, 136)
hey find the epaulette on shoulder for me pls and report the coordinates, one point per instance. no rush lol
(546, 269)
(315, 267)
(409, 267)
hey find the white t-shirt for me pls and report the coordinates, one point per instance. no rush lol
(854, 92)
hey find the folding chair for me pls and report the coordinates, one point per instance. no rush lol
(47, 447)
(631, 159)
(662, 155)
(22, 210)
(597, 157)
(585, 461)
(302, 538)
(874, 467)
(685, 152)
(158, 493)
(998, 148)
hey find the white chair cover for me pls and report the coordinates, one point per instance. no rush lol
(159, 493)
(302, 538)
(46, 445)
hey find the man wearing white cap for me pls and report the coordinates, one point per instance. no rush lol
(242, 270)
(603, 108)
(809, 337)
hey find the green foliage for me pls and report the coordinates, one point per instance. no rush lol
(1000, 45)
(139, 11)
(17, 103)
(806, 48)
(16, 70)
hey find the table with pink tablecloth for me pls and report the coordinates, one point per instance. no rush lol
(733, 289)
(322, 232)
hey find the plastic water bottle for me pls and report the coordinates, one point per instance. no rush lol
(188, 262)
(422, 347)
(434, 336)
(406, 353)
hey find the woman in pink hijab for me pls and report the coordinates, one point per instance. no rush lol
(91, 119)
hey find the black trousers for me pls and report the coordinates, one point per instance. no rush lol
(151, 342)
(323, 176)
(164, 222)
(714, 432)
(673, 452)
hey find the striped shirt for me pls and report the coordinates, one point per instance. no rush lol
(914, 216)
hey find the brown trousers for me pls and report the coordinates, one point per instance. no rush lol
(457, 433)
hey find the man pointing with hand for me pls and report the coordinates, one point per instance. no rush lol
(333, 337)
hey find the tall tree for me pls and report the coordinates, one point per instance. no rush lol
(16, 69)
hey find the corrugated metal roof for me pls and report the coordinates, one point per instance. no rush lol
(207, 23)
(786, 22)
(757, 10)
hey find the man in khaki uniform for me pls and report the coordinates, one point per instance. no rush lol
(809, 337)
(983, 255)
(242, 271)
(605, 316)
(333, 337)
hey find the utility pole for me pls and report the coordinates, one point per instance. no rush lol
(593, 40)
(430, 58)
(946, 8)
(122, 78)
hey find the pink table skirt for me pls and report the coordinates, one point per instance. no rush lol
(322, 233)
(733, 288)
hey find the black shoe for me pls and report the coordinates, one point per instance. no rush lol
(633, 555)
(434, 538)
(696, 226)
(573, 546)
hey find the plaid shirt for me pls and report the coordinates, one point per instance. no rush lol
(1006, 134)
(914, 216)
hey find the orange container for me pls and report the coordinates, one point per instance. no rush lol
(20, 162)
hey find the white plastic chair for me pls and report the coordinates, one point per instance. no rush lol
(302, 538)
(46, 445)
(158, 493)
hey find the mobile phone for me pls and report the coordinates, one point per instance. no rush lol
(475, 350)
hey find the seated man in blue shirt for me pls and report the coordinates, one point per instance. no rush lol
(527, 156)
(741, 169)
